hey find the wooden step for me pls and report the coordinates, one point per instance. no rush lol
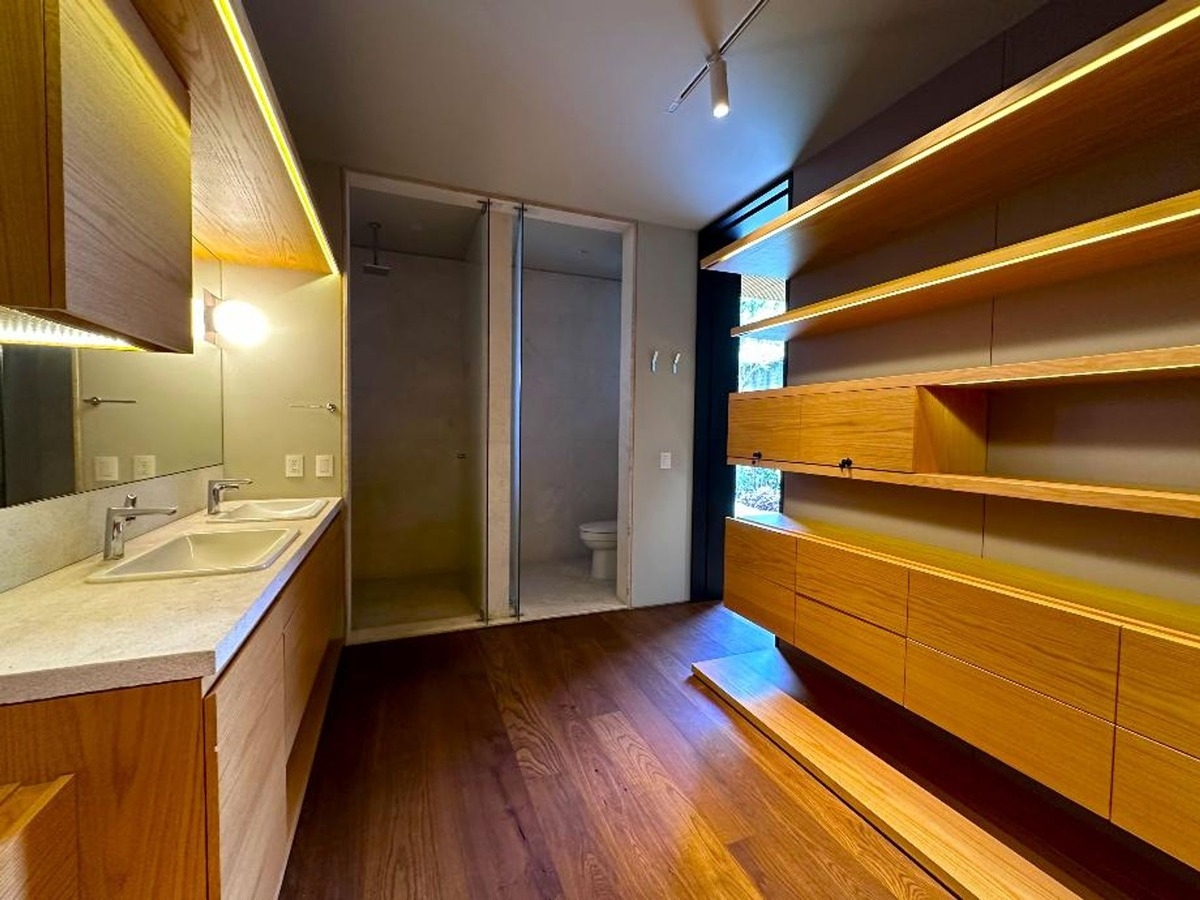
(39, 854)
(955, 850)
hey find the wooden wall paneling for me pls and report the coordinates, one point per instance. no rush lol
(39, 841)
(1156, 795)
(246, 209)
(951, 431)
(138, 764)
(860, 584)
(1064, 748)
(769, 426)
(763, 602)
(1063, 654)
(126, 190)
(875, 429)
(25, 204)
(1160, 688)
(768, 553)
(866, 653)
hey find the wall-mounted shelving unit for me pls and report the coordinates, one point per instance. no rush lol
(1156, 231)
(1133, 82)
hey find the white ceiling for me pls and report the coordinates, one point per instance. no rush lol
(562, 102)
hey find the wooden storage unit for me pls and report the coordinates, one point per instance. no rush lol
(1058, 652)
(861, 584)
(761, 601)
(105, 208)
(39, 840)
(1064, 748)
(1156, 795)
(764, 427)
(767, 552)
(1160, 688)
(866, 653)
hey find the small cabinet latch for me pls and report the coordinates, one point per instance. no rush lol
(757, 456)
(846, 463)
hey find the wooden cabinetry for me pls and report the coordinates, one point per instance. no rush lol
(97, 171)
(39, 841)
(764, 427)
(863, 651)
(1156, 795)
(860, 584)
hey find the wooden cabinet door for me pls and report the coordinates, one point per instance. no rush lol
(870, 655)
(110, 225)
(766, 552)
(764, 428)
(860, 584)
(1156, 795)
(874, 429)
(1160, 688)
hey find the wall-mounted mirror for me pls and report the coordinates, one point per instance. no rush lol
(77, 420)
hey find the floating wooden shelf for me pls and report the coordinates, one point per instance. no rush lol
(1120, 606)
(1181, 504)
(1157, 231)
(1128, 365)
(250, 201)
(1133, 82)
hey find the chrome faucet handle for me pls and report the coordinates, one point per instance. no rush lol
(217, 488)
(116, 517)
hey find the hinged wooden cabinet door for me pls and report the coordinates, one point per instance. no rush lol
(764, 428)
(873, 429)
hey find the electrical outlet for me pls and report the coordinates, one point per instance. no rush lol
(664, 460)
(107, 468)
(145, 466)
(293, 465)
(323, 465)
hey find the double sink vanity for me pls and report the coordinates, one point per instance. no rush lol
(159, 713)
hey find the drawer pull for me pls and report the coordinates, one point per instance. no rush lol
(757, 456)
(846, 463)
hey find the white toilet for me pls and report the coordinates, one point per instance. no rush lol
(601, 539)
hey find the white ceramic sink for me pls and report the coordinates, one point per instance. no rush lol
(270, 511)
(204, 553)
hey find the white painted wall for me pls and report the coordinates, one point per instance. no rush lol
(664, 313)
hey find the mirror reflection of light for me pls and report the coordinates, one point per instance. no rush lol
(241, 324)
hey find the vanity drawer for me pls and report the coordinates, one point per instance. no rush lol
(897, 429)
(1064, 748)
(867, 654)
(1156, 795)
(763, 602)
(1066, 655)
(764, 427)
(1160, 689)
(763, 551)
(860, 584)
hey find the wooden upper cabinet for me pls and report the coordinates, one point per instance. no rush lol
(95, 178)
(764, 428)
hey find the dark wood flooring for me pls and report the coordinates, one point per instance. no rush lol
(570, 758)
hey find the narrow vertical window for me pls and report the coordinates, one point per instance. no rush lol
(760, 367)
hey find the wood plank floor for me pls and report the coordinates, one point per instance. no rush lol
(570, 758)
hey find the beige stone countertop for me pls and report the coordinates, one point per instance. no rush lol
(60, 635)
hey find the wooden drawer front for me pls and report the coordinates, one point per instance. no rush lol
(318, 586)
(875, 429)
(1063, 748)
(1156, 795)
(867, 654)
(247, 763)
(1068, 656)
(769, 426)
(763, 602)
(768, 554)
(857, 583)
(1160, 689)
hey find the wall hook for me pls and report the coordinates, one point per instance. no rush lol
(675, 362)
(654, 361)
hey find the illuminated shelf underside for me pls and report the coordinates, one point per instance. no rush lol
(1129, 365)
(1130, 83)
(1156, 231)
(1179, 504)
(18, 327)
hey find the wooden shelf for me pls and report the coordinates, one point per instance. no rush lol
(1133, 82)
(1112, 604)
(1157, 231)
(250, 202)
(1128, 365)
(1151, 501)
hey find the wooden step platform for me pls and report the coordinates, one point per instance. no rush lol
(958, 852)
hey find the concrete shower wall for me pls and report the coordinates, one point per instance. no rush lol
(1141, 433)
(570, 408)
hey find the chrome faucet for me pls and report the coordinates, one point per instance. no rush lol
(115, 518)
(217, 488)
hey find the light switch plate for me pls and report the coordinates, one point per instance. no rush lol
(145, 466)
(664, 460)
(107, 468)
(323, 465)
(293, 465)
